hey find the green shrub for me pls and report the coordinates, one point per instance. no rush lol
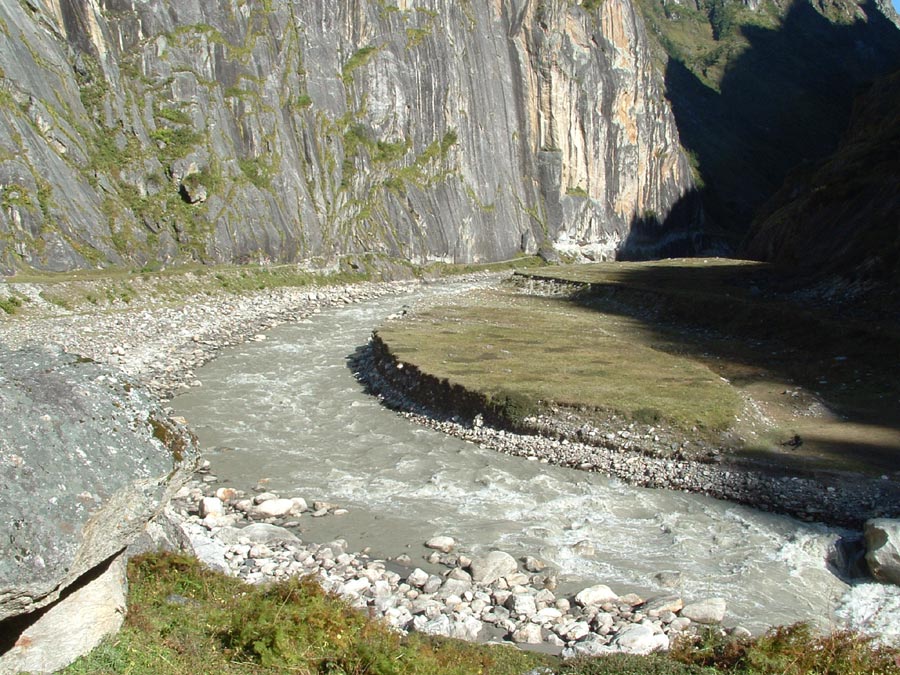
(513, 406)
(790, 650)
(11, 305)
(359, 59)
(626, 664)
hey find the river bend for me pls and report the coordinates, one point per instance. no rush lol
(288, 410)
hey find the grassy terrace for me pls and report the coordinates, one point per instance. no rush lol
(556, 354)
(184, 620)
(701, 347)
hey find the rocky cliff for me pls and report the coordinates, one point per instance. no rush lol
(134, 133)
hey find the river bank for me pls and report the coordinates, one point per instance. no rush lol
(181, 338)
(451, 593)
(163, 346)
(841, 499)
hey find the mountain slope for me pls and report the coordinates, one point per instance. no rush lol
(758, 87)
(841, 217)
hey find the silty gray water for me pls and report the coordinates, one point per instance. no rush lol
(290, 411)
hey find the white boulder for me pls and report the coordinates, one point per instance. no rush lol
(883, 549)
(495, 565)
(596, 595)
(709, 611)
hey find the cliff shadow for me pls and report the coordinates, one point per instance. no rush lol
(682, 233)
(785, 100)
(822, 385)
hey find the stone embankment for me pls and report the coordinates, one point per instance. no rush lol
(489, 597)
(626, 450)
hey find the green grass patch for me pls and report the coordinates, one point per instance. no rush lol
(537, 353)
(185, 619)
(360, 58)
(92, 289)
(11, 304)
(732, 317)
(174, 143)
(258, 171)
(520, 262)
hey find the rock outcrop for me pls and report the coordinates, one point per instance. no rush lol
(883, 549)
(138, 133)
(86, 460)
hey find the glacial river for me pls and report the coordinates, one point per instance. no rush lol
(288, 410)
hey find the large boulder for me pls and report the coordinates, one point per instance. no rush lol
(87, 459)
(883, 549)
(73, 626)
(596, 595)
(495, 565)
(709, 611)
(640, 639)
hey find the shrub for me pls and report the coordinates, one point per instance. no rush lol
(11, 304)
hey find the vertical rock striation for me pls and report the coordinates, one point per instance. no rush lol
(142, 132)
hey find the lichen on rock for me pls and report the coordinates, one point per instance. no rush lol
(87, 458)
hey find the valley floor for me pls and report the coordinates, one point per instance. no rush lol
(761, 402)
(162, 341)
(674, 374)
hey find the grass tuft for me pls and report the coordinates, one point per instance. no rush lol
(11, 304)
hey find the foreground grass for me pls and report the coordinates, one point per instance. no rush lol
(552, 353)
(183, 619)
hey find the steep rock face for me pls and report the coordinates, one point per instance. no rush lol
(136, 132)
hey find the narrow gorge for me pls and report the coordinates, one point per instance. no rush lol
(273, 232)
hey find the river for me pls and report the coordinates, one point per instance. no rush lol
(287, 410)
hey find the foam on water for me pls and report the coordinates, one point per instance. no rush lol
(872, 608)
(290, 411)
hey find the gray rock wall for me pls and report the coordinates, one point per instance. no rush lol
(136, 132)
